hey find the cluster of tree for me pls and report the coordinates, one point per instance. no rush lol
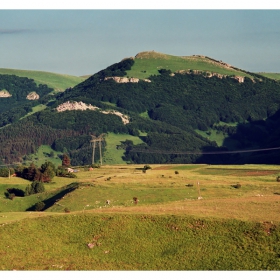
(15, 113)
(32, 173)
(33, 188)
(19, 88)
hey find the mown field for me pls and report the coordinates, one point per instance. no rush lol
(187, 217)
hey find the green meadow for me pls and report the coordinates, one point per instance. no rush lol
(156, 61)
(171, 217)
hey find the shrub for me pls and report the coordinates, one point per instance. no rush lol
(176, 172)
(146, 167)
(278, 178)
(35, 187)
(39, 206)
(66, 210)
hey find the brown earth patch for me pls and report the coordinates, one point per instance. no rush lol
(162, 168)
(259, 173)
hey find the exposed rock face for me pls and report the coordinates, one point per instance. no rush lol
(32, 96)
(5, 93)
(69, 106)
(207, 74)
(126, 80)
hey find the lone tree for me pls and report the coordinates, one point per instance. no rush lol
(65, 160)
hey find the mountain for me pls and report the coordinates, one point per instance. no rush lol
(189, 109)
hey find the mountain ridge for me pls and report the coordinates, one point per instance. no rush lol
(174, 104)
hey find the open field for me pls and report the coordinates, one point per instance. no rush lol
(234, 225)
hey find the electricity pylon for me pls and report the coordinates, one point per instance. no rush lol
(98, 139)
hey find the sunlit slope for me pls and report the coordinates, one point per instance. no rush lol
(148, 63)
(274, 76)
(58, 82)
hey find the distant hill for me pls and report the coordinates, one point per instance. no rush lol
(275, 76)
(189, 109)
(58, 82)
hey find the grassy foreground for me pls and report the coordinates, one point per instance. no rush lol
(230, 228)
(138, 242)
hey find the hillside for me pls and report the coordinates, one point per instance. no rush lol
(148, 63)
(190, 109)
(58, 82)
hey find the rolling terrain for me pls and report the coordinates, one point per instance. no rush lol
(176, 224)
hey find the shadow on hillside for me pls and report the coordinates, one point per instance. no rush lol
(52, 200)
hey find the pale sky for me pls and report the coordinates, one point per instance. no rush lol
(83, 41)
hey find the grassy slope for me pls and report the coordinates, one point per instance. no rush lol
(112, 155)
(57, 81)
(169, 228)
(148, 63)
(275, 76)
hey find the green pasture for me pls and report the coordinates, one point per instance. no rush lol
(112, 155)
(169, 228)
(149, 63)
(42, 155)
(138, 242)
(58, 82)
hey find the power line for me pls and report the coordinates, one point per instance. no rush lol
(202, 153)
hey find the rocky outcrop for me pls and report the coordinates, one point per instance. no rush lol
(5, 93)
(32, 96)
(69, 106)
(126, 80)
(208, 74)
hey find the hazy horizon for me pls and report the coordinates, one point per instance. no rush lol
(84, 41)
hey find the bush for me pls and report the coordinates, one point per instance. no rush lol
(176, 172)
(146, 167)
(35, 187)
(278, 178)
(39, 206)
